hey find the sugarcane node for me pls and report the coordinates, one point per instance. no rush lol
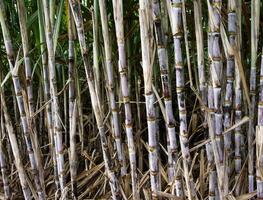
(152, 148)
(123, 71)
(126, 99)
(176, 4)
(114, 110)
(128, 125)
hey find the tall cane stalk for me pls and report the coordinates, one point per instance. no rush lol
(123, 71)
(146, 33)
(111, 86)
(177, 30)
(255, 14)
(57, 128)
(72, 106)
(166, 89)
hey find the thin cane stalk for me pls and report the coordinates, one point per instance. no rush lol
(54, 96)
(255, 14)
(15, 149)
(72, 107)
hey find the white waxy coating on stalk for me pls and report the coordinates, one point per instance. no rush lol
(146, 33)
(123, 71)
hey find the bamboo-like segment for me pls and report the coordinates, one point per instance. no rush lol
(146, 32)
(216, 67)
(111, 86)
(232, 31)
(47, 95)
(114, 183)
(259, 132)
(228, 101)
(123, 71)
(72, 106)
(206, 96)
(57, 128)
(166, 88)
(20, 101)
(177, 29)
(3, 166)
(3, 157)
(255, 14)
(29, 87)
(15, 149)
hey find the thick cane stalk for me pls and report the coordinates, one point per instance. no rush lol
(206, 95)
(57, 128)
(15, 149)
(20, 101)
(146, 32)
(111, 85)
(72, 107)
(228, 101)
(232, 31)
(177, 30)
(255, 14)
(123, 71)
(166, 88)
(216, 66)
(109, 165)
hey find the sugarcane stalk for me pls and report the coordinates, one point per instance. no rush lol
(47, 95)
(123, 71)
(255, 14)
(232, 31)
(111, 86)
(228, 101)
(57, 128)
(177, 30)
(3, 166)
(109, 165)
(15, 149)
(96, 45)
(206, 96)
(216, 66)
(20, 101)
(259, 139)
(72, 106)
(28, 72)
(146, 33)
(166, 89)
